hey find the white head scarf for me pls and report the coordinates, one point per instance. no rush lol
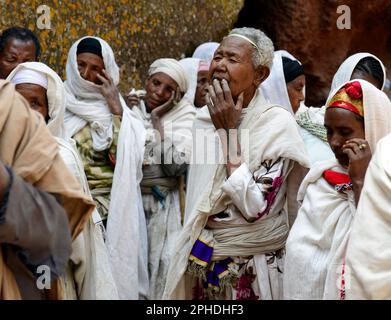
(206, 51)
(30, 76)
(346, 69)
(172, 68)
(33, 72)
(274, 88)
(191, 66)
(85, 103)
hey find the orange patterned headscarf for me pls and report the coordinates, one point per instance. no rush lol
(349, 97)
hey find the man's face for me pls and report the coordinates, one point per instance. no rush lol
(16, 52)
(89, 66)
(232, 62)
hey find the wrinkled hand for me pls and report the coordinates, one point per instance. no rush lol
(161, 110)
(225, 114)
(110, 93)
(360, 155)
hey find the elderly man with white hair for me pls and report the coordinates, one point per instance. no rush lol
(232, 245)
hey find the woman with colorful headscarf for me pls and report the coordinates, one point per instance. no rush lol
(357, 116)
(110, 140)
(311, 120)
(168, 118)
(88, 275)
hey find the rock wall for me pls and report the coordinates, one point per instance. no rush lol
(308, 29)
(139, 31)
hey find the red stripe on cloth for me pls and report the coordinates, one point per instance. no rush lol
(345, 105)
(335, 178)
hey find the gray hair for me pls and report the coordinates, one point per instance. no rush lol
(264, 53)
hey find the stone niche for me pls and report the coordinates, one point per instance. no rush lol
(308, 29)
(139, 31)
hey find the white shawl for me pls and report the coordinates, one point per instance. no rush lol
(317, 235)
(191, 66)
(272, 134)
(85, 103)
(368, 254)
(177, 124)
(346, 69)
(205, 51)
(126, 228)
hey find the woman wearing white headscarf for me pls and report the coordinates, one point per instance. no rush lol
(357, 116)
(311, 119)
(168, 119)
(285, 84)
(88, 274)
(110, 140)
(197, 77)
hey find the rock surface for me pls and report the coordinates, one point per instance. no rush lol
(308, 29)
(139, 31)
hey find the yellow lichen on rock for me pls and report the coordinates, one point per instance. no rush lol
(139, 31)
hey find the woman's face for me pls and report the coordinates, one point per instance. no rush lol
(89, 66)
(159, 88)
(295, 92)
(202, 89)
(232, 61)
(342, 125)
(36, 97)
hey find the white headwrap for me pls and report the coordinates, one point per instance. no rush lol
(274, 88)
(191, 66)
(126, 227)
(206, 51)
(37, 73)
(172, 68)
(346, 69)
(30, 76)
